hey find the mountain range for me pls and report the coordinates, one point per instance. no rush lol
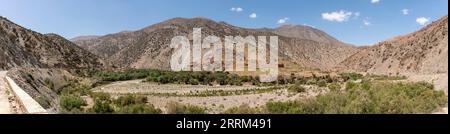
(424, 51)
(149, 47)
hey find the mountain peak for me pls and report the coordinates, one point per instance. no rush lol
(305, 32)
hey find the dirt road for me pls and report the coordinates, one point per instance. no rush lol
(5, 106)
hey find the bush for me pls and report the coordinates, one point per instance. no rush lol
(102, 107)
(334, 87)
(70, 102)
(350, 85)
(311, 82)
(101, 97)
(176, 108)
(194, 82)
(351, 76)
(296, 88)
(130, 100)
(75, 88)
(221, 78)
(378, 98)
(322, 83)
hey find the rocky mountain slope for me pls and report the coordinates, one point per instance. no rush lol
(21, 47)
(421, 52)
(149, 47)
(305, 32)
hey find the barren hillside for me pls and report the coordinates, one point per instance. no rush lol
(422, 52)
(149, 47)
(21, 47)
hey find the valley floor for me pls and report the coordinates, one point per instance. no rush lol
(215, 98)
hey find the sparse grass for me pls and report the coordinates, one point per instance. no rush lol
(139, 109)
(177, 108)
(130, 100)
(385, 77)
(211, 93)
(378, 98)
(127, 104)
(334, 87)
(242, 109)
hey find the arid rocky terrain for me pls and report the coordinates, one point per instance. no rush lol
(21, 47)
(421, 52)
(149, 47)
(91, 74)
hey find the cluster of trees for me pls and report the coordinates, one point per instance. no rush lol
(209, 78)
(200, 78)
(123, 75)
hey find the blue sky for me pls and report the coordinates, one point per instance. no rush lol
(359, 22)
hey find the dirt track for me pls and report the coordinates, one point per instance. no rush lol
(5, 106)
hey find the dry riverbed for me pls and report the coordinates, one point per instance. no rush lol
(215, 98)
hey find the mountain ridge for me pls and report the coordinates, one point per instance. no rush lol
(21, 47)
(423, 51)
(148, 47)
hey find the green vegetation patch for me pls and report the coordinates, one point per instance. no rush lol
(367, 98)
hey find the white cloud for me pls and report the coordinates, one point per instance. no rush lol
(367, 22)
(283, 20)
(253, 15)
(423, 20)
(340, 16)
(375, 1)
(236, 9)
(239, 9)
(405, 11)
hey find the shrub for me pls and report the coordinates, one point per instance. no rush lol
(193, 81)
(350, 85)
(140, 109)
(101, 97)
(296, 88)
(70, 102)
(378, 98)
(351, 76)
(322, 83)
(102, 107)
(221, 78)
(130, 100)
(311, 82)
(49, 84)
(164, 79)
(246, 78)
(334, 87)
(75, 88)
